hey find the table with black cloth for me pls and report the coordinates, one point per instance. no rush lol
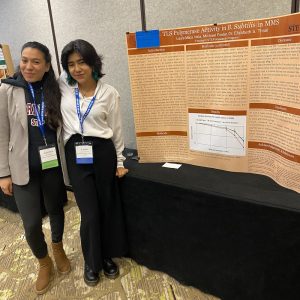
(234, 235)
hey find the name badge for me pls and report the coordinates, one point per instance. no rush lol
(48, 156)
(84, 152)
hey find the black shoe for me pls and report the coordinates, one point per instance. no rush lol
(111, 270)
(91, 278)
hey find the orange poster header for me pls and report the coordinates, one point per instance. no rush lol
(281, 40)
(252, 29)
(155, 50)
(266, 146)
(228, 44)
(218, 112)
(290, 110)
(161, 133)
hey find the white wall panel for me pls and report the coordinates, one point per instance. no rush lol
(161, 14)
(23, 21)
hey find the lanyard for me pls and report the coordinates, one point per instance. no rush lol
(40, 115)
(80, 117)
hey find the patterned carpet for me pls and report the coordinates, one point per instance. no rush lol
(18, 269)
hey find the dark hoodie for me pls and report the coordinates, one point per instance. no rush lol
(34, 135)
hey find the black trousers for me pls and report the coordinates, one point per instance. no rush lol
(96, 191)
(49, 185)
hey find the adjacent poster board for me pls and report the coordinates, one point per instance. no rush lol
(6, 64)
(223, 96)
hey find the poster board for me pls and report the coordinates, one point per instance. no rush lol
(6, 64)
(223, 96)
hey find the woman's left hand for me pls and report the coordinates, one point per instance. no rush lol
(121, 172)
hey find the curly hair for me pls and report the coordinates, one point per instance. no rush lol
(50, 88)
(88, 54)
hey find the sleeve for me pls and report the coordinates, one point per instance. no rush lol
(115, 123)
(4, 132)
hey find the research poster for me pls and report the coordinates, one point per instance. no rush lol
(224, 96)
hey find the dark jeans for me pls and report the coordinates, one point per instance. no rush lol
(49, 185)
(95, 187)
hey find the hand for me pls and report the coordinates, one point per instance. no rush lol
(121, 172)
(6, 185)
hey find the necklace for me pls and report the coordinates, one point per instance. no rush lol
(83, 94)
(88, 93)
(88, 89)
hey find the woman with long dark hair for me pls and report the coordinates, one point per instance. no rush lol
(30, 164)
(94, 144)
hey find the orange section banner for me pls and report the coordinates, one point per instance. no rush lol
(161, 133)
(218, 112)
(155, 50)
(286, 109)
(217, 45)
(282, 40)
(275, 149)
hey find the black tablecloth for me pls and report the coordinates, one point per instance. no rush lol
(234, 235)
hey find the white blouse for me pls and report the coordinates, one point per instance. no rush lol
(104, 119)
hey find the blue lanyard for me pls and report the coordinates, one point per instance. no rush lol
(80, 117)
(39, 115)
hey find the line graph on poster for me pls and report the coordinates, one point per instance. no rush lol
(223, 134)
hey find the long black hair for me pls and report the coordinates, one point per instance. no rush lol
(88, 54)
(50, 88)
